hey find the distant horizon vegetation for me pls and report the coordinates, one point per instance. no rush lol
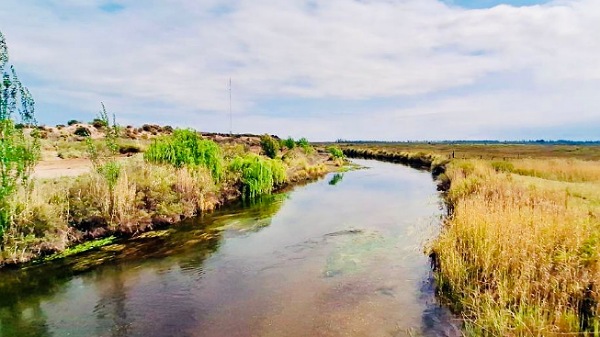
(477, 142)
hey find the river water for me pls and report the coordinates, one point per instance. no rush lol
(343, 256)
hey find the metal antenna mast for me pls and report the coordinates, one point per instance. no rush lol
(230, 114)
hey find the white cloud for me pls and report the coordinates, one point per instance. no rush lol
(176, 57)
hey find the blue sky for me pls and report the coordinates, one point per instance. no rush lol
(322, 69)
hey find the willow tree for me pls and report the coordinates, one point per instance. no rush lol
(18, 150)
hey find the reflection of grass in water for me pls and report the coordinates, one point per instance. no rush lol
(355, 252)
(336, 179)
(257, 216)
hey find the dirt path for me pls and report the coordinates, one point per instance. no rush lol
(55, 168)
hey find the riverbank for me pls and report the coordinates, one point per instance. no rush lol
(519, 254)
(50, 216)
(344, 253)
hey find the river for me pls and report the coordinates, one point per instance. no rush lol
(343, 256)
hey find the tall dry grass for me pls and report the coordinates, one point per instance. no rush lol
(50, 215)
(520, 254)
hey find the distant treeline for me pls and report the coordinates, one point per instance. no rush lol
(478, 142)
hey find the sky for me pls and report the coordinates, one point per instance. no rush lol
(321, 69)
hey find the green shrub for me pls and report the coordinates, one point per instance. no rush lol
(269, 145)
(290, 143)
(186, 148)
(303, 142)
(73, 122)
(82, 131)
(335, 152)
(258, 175)
(99, 123)
(128, 148)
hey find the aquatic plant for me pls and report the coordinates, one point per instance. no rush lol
(185, 147)
(258, 175)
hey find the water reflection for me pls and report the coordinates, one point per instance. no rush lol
(318, 261)
(336, 179)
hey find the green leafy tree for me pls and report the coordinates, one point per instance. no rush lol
(18, 151)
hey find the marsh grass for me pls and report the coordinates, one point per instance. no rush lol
(493, 152)
(186, 148)
(520, 254)
(258, 175)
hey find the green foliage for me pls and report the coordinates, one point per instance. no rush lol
(186, 148)
(82, 131)
(269, 145)
(102, 155)
(258, 175)
(73, 122)
(335, 152)
(290, 143)
(110, 171)
(18, 153)
(303, 142)
(84, 247)
(104, 159)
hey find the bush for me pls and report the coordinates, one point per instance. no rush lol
(82, 131)
(303, 142)
(126, 149)
(335, 152)
(269, 145)
(290, 143)
(258, 175)
(73, 122)
(186, 148)
(99, 123)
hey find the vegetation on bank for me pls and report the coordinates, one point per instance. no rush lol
(18, 152)
(127, 196)
(493, 152)
(181, 174)
(519, 253)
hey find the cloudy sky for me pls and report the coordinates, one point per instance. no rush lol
(323, 69)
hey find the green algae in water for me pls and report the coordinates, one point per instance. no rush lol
(155, 234)
(77, 249)
(355, 252)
